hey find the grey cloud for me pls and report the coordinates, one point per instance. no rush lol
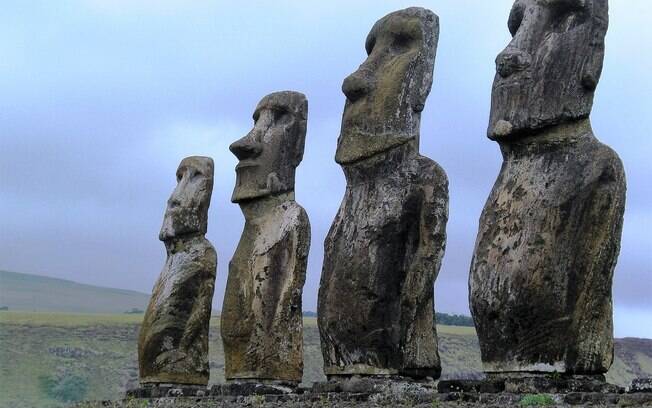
(98, 107)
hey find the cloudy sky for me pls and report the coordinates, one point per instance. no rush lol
(100, 100)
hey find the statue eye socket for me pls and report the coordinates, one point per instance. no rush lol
(281, 116)
(402, 41)
(516, 19)
(566, 17)
(370, 44)
(566, 5)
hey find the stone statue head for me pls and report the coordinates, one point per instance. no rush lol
(548, 73)
(385, 96)
(187, 210)
(270, 153)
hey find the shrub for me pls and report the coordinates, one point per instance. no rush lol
(453, 320)
(536, 400)
(66, 388)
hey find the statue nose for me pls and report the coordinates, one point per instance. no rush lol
(174, 201)
(245, 148)
(512, 61)
(356, 86)
(176, 198)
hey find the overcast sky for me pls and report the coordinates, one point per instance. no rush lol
(101, 99)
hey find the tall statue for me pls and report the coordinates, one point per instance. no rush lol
(262, 326)
(549, 234)
(173, 342)
(384, 249)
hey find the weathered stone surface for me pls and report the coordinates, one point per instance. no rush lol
(375, 391)
(262, 326)
(173, 342)
(591, 399)
(549, 235)
(548, 73)
(526, 383)
(558, 384)
(393, 395)
(482, 386)
(641, 399)
(235, 388)
(167, 390)
(641, 385)
(384, 249)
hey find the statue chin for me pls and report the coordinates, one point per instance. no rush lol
(180, 222)
(246, 194)
(251, 190)
(242, 194)
(356, 146)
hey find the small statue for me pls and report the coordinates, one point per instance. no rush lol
(173, 341)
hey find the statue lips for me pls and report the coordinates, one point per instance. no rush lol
(513, 81)
(246, 163)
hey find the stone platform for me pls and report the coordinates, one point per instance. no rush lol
(379, 392)
(532, 384)
(216, 390)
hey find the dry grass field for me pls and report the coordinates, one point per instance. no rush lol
(65, 353)
(47, 359)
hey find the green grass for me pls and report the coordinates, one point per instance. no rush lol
(536, 400)
(45, 355)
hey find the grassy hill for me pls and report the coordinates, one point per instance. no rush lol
(20, 291)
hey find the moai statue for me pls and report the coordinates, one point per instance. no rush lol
(173, 342)
(549, 235)
(385, 247)
(262, 326)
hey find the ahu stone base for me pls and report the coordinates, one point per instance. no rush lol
(557, 391)
(236, 388)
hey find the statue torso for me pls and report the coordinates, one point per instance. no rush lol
(261, 317)
(368, 252)
(535, 258)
